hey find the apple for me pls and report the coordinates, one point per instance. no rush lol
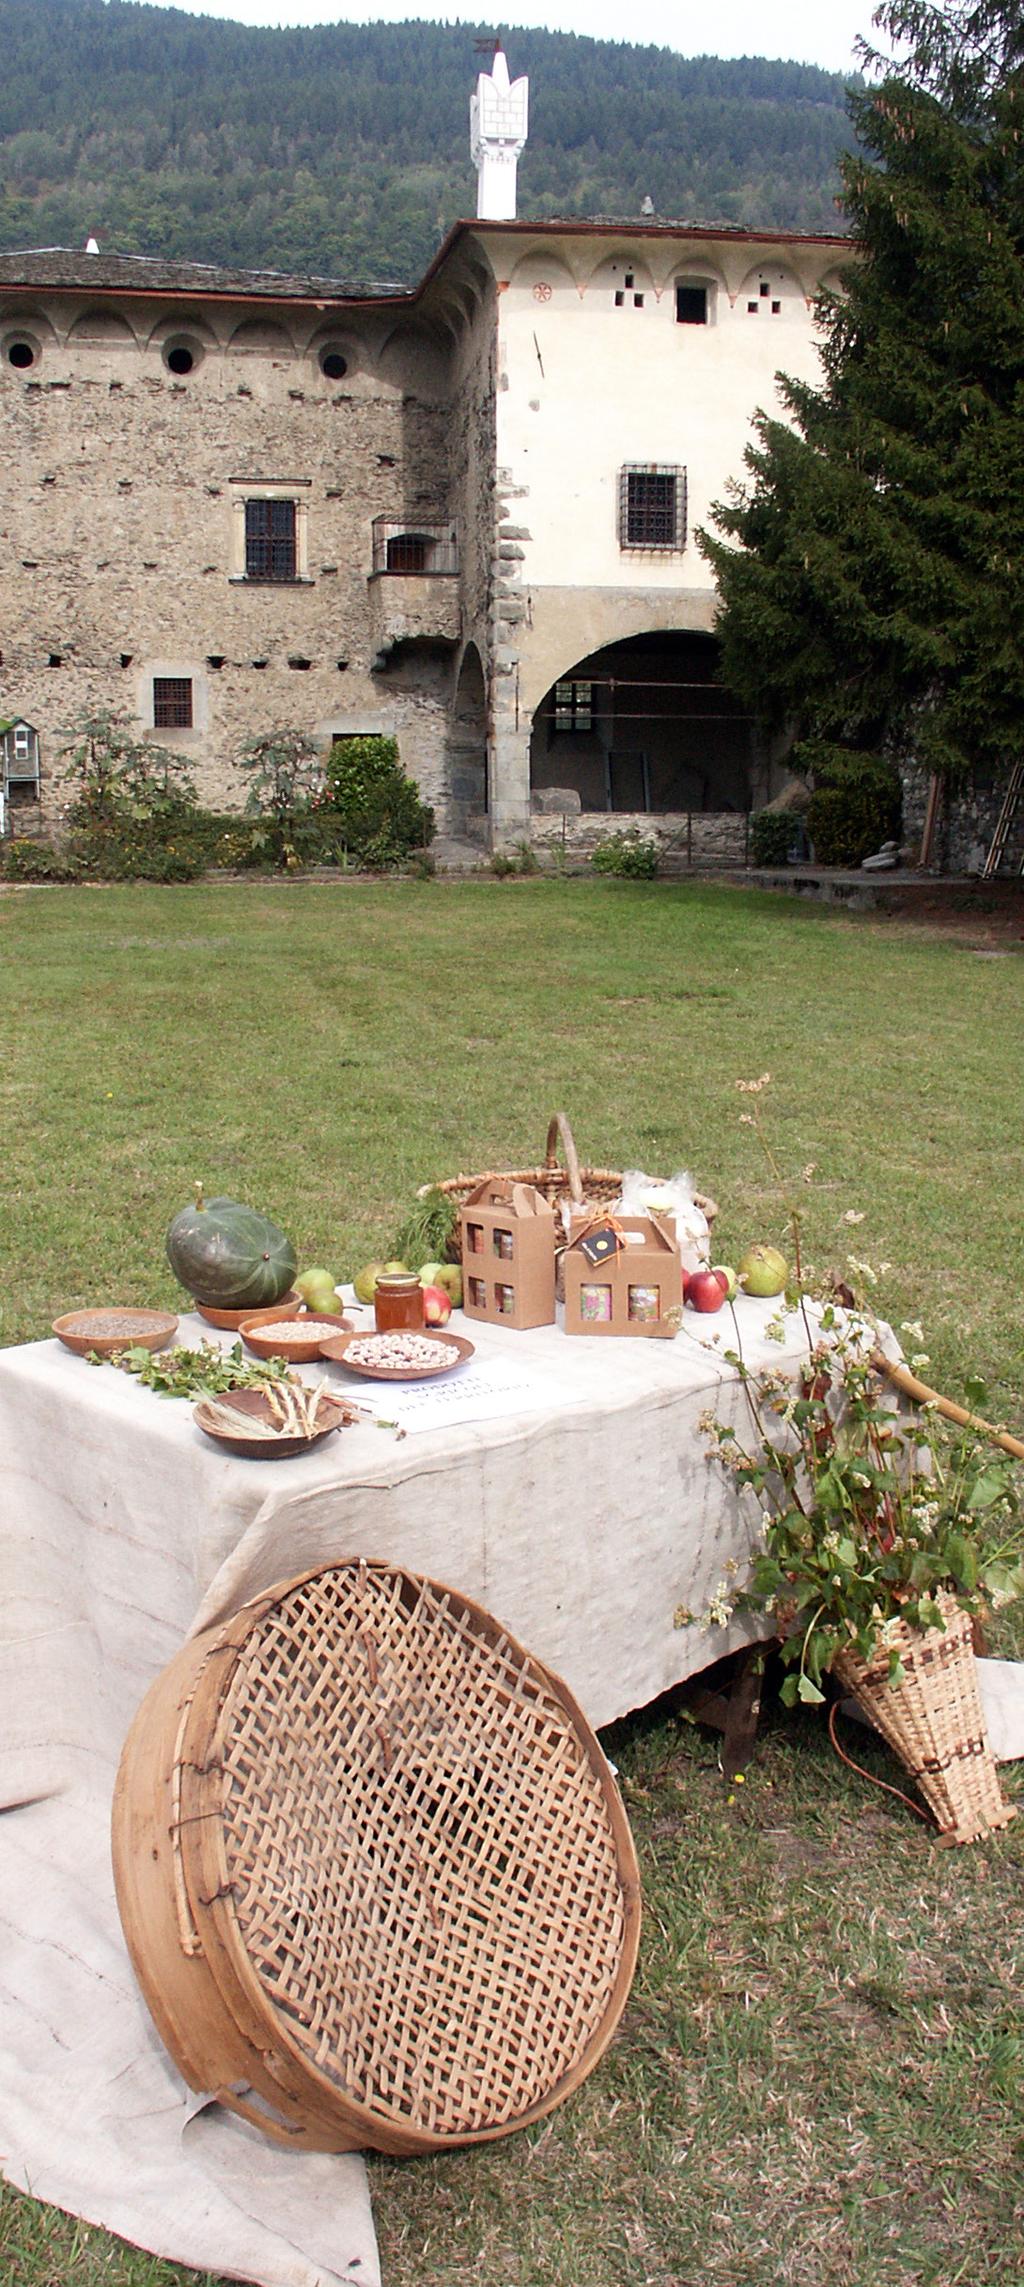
(449, 1277)
(430, 1274)
(704, 1291)
(729, 1280)
(437, 1306)
(762, 1271)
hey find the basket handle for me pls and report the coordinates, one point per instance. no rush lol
(559, 1128)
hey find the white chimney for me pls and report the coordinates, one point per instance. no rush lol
(497, 133)
(92, 246)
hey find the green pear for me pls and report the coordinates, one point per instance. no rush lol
(430, 1274)
(449, 1279)
(365, 1281)
(314, 1285)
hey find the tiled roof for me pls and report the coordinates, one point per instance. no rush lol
(144, 273)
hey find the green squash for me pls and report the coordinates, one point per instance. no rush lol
(227, 1255)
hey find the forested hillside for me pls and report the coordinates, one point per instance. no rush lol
(344, 149)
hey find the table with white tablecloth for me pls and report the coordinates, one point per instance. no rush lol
(567, 1489)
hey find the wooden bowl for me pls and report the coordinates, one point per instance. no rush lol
(336, 1349)
(102, 1332)
(254, 1405)
(303, 1346)
(288, 1307)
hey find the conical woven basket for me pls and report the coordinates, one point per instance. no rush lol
(933, 1721)
(373, 1870)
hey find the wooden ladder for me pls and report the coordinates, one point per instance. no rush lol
(1004, 823)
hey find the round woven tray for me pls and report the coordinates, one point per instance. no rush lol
(561, 1180)
(374, 1875)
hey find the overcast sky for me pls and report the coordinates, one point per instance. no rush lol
(804, 31)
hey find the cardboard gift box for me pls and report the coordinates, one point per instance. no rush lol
(508, 1255)
(623, 1275)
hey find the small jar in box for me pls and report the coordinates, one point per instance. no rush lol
(508, 1255)
(622, 1276)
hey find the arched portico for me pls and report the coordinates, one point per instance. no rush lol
(644, 724)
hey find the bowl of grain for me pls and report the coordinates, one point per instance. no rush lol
(297, 1340)
(100, 1333)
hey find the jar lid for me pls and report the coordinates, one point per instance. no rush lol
(397, 1282)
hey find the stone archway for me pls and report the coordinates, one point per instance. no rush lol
(467, 749)
(644, 724)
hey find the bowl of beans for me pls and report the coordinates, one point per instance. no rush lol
(399, 1357)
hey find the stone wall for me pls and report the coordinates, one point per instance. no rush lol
(964, 827)
(698, 838)
(123, 490)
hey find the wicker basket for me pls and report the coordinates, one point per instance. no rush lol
(374, 1875)
(581, 1187)
(933, 1721)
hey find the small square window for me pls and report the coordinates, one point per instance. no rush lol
(776, 307)
(638, 301)
(752, 309)
(765, 289)
(172, 702)
(620, 299)
(270, 551)
(652, 507)
(691, 305)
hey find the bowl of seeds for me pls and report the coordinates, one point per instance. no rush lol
(101, 1333)
(297, 1340)
(399, 1357)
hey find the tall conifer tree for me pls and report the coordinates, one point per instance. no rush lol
(872, 565)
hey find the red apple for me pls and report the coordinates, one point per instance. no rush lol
(704, 1291)
(437, 1306)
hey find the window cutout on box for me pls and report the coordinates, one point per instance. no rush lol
(644, 1305)
(475, 1238)
(505, 1300)
(477, 1293)
(596, 1303)
(504, 1245)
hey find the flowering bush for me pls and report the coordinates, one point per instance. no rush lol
(859, 1524)
(857, 1521)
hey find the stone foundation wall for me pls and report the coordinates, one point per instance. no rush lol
(700, 838)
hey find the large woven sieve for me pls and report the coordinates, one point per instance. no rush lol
(373, 1871)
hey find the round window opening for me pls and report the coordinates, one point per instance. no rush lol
(181, 356)
(333, 365)
(21, 354)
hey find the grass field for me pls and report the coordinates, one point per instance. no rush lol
(820, 2075)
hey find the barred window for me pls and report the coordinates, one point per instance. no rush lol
(270, 551)
(172, 702)
(652, 507)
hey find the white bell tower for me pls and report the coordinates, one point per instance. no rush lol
(497, 133)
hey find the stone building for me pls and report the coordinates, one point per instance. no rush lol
(462, 513)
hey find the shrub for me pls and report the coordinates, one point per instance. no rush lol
(369, 805)
(119, 778)
(772, 833)
(285, 778)
(120, 852)
(37, 861)
(856, 804)
(627, 854)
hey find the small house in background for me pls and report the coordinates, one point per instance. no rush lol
(623, 1275)
(19, 765)
(508, 1255)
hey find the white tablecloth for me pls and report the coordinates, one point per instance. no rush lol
(582, 1520)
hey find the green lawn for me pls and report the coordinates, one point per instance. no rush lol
(820, 2076)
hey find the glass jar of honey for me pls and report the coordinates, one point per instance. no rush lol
(397, 1301)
